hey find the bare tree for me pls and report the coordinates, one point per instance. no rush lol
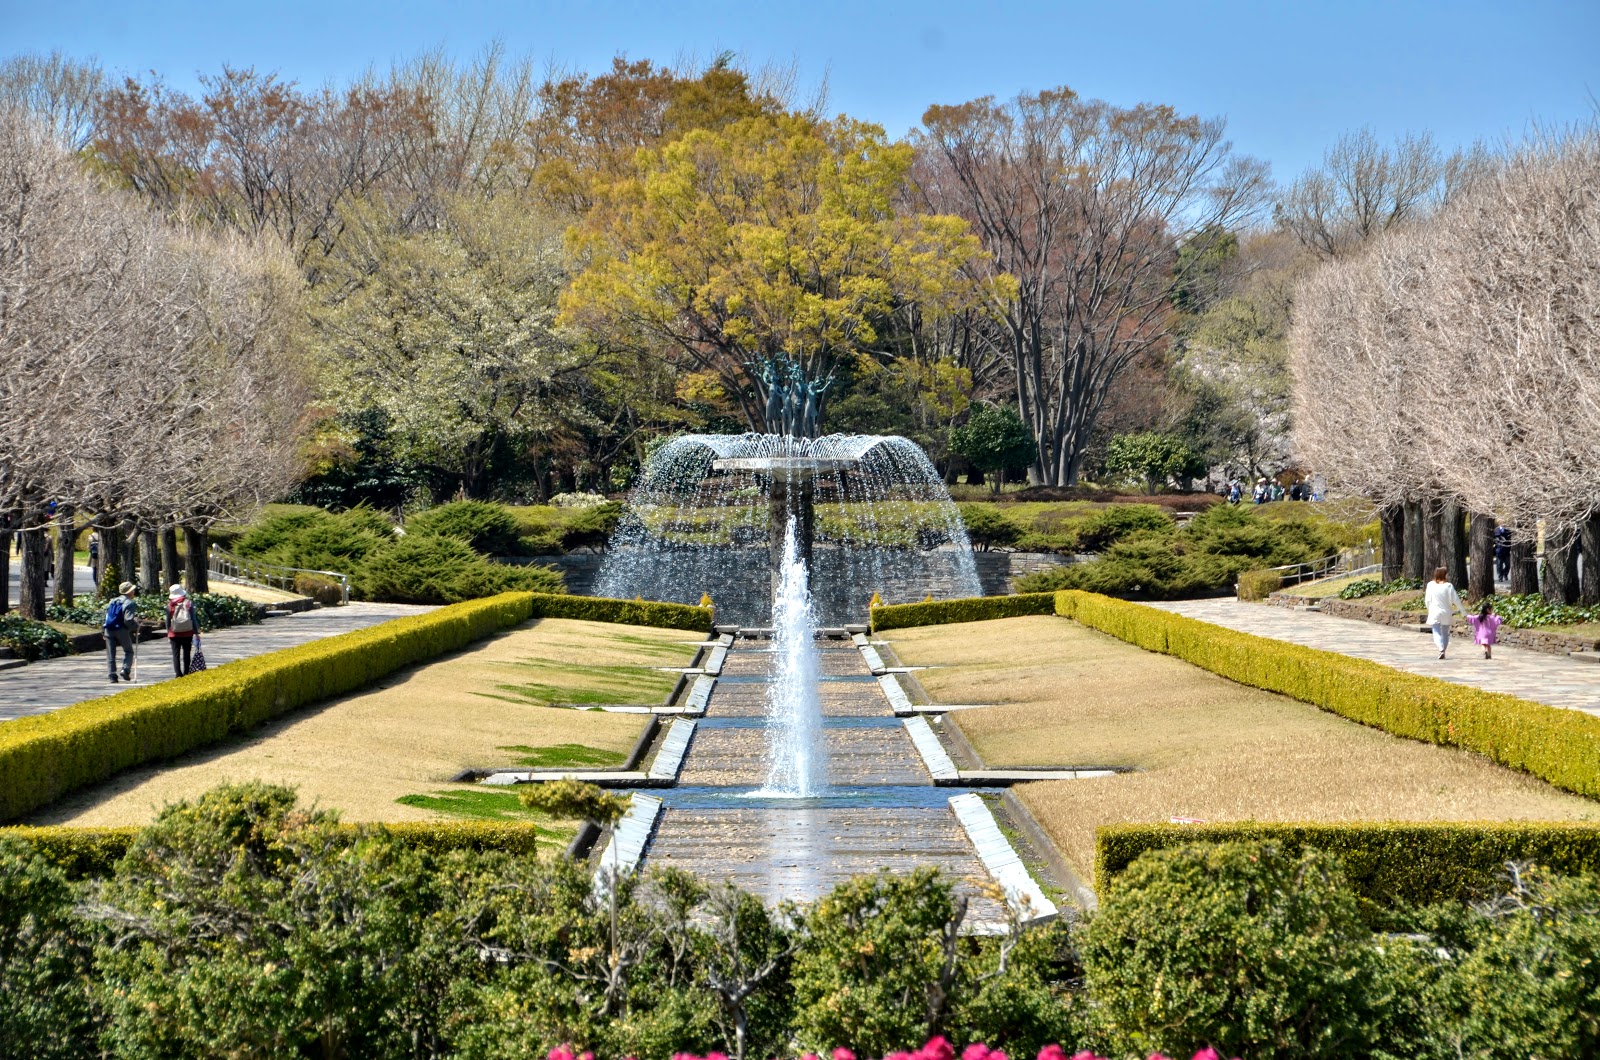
(61, 93)
(1084, 205)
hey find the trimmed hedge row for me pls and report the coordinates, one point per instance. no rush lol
(624, 612)
(1389, 863)
(1556, 745)
(972, 609)
(94, 852)
(45, 756)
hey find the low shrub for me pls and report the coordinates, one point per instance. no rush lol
(624, 612)
(974, 609)
(1533, 610)
(1361, 589)
(1259, 584)
(317, 540)
(488, 528)
(592, 527)
(32, 640)
(428, 569)
(1246, 948)
(1105, 528)
(319, 587)
(1388, 863)
(988, 526)
(212, 610)
(1556, 745)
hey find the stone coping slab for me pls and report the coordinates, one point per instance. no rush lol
(628, 841)
(669, 760)
(1026, 899)
(934, 756)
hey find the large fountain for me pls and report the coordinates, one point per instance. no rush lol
(711, 514)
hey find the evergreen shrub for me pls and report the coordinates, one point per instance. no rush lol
(31, 640)
(429, 569)
(988, 526)
(488, 528)
(1388, 863)
(1257, 585)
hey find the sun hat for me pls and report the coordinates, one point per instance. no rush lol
(175, 592)
(125, 587)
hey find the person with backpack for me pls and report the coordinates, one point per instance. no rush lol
(181, 629)
(119, 626)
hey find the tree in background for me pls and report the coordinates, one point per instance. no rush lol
(774, 235)
(1152, 458)
(1084, 205)
(994, 438)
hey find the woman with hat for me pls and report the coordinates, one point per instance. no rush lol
(181, 628)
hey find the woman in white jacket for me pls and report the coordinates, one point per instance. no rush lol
(1442, 600)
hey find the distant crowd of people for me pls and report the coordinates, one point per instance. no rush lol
(1271, 490)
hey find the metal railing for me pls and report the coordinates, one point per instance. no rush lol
(1349, 562)
(231, 568)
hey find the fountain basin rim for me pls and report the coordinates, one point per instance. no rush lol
(787, 468)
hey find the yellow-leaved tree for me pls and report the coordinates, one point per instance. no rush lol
(771, 236)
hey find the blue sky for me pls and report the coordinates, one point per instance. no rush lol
(1289, 76)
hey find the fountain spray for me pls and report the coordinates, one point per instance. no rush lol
(794, 758)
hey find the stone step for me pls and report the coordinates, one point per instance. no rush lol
(1585, 656)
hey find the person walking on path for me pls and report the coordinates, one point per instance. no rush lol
(119, 627)
(1485, 627)
(94, 558)
(181, 629)
(1443, 601)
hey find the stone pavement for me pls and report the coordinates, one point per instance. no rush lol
(1557, 680)
(54, 683)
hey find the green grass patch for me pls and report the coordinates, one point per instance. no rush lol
(590, 683)
(563, 755)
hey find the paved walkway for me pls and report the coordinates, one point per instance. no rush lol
(82, 581)
(55, 683)
(1554, 679)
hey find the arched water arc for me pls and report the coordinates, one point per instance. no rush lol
(702, 519)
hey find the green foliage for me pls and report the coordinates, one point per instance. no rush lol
(1390, 864)
(1241, 947)
(488, 528)
(211, 610)
(974, 609)
(994, 438)
(44, 962)
(317, 540)
(1361, 588)
(564, 754)
(1259, 584)
(476, 804)
(1205, 556)
(988, 526)
(592, 527)
(423, 569)
(30, 639)
(1556, 745)
(1533, 610)
(1109, 525)
(868, 976)
(626, 612)
(571, 799)
(1152, 458)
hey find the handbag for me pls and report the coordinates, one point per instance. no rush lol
(198, 662)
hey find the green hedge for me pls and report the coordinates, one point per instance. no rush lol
(1390, 863)
(1259, 584)
(93, 852)
(972, 609)
(1556, 745)
(45, 756)
(624, 612)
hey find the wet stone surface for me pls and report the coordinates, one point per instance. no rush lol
(881, 812)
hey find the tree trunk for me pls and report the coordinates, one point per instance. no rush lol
(1414, 551)
(1480, 572)
(128, 552)
(1561, 568)
(171, 565)
(66, 540)
(1453, 544)
(1432, 537)
(34, 594)
(1589, 594)
(111, 568)
(150, 562)
(1392, 522)
(5, 571)
(196, 574)
(1524, 569)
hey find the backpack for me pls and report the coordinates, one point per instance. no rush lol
(182, 618)
(116, 612)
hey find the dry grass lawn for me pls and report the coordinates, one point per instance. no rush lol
(1206, 748)
(420, 727)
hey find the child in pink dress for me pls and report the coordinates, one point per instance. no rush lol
(1485, 626)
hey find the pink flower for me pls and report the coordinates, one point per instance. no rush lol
(1207, 1053)
(842, 1053)
(563, 1052)
(1087, 1054)
(936, 1048)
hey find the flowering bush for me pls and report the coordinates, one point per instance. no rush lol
(936, 1048)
